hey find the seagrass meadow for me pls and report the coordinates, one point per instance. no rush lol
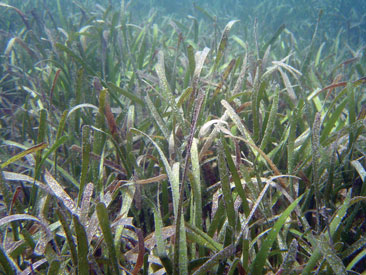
(162, 137)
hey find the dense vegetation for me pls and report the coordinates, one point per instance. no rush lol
(140, 137)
